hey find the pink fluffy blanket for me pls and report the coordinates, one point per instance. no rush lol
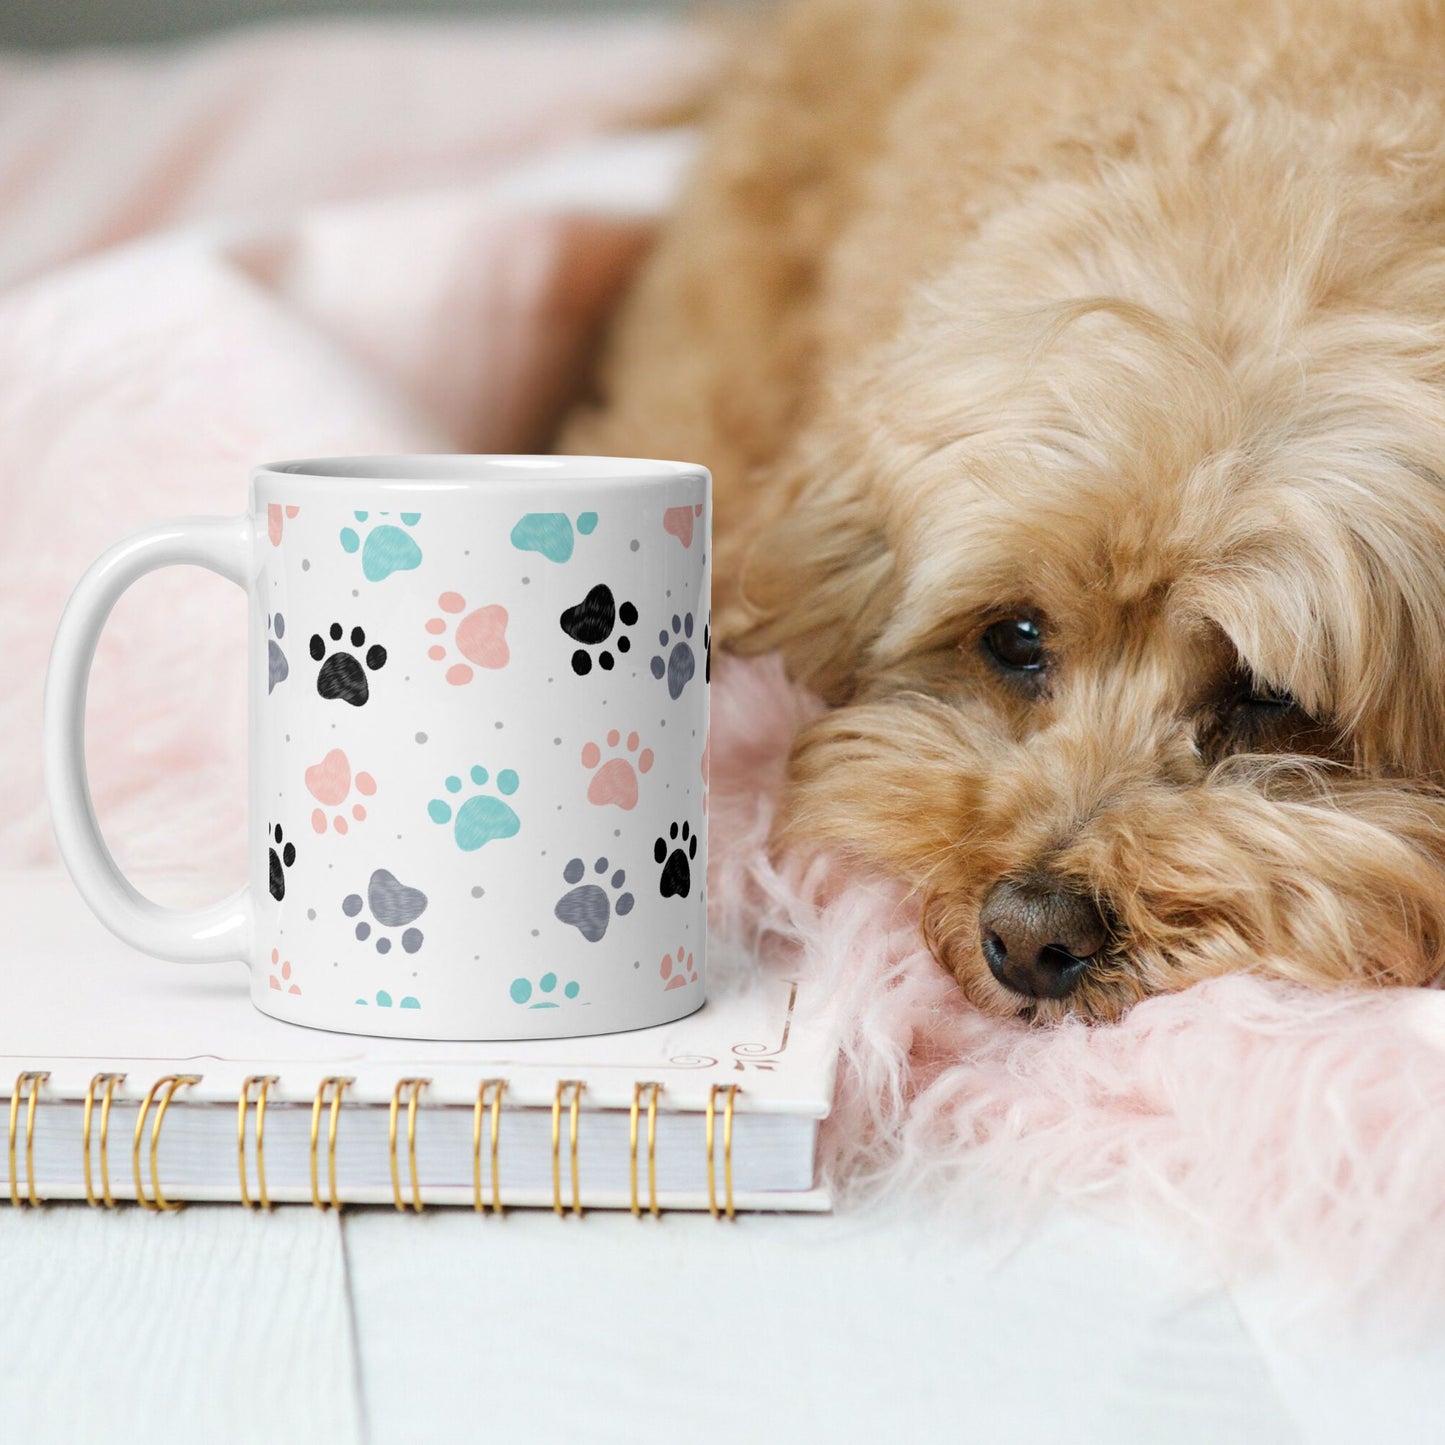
(383, 238)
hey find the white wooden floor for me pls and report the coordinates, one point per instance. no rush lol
(218, 1325)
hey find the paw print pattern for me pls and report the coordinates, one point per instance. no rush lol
(677, 522)
(552, 533)
(587, 906)
(392, 905)
(330, 782)
(480, 637)
(283, 855)
(676, 662)
(383, 1000)
(343, 675)
(677, 970)
(482, 818)
(591, 623)
(277, 668)
(615, 781)
(275, 521)
(387, 547)
(543, 994)
(675, 854)
(280, 976)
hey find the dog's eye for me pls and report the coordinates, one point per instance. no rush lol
(1017, 644)
(1268, 700)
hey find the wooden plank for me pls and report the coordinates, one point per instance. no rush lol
(841, 1329)
(209, 1324)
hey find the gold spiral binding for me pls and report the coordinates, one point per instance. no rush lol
(576, 1087)
(732, 1091)
(263, 1082)
(32, 1082)
(170, 1083)
(496, 1087)
(110, 1081)
(416, 1086)
(337, 1087)
(655, 1090)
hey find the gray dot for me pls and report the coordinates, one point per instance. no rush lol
(535, 932)
(498, 725)
(556, 741)
(355, 593)
(311, 913)
(421, 737)
(478, 891)
(633, 545)
(617, 832)
(305, 565)
(525, 581)
(288, 737)
(637, 963)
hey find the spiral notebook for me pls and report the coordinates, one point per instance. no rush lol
(134, 1080)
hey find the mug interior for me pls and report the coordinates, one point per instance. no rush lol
(485, 471)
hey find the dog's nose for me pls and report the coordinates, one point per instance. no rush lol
(1038, 936)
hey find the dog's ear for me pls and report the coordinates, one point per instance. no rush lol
(805, 567)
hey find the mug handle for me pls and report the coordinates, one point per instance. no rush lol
(222, 931)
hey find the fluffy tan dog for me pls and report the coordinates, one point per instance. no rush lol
(1073, 373)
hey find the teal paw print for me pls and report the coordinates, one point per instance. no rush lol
(551, 533)
(541, 995)
(387, 548)
(383, 1000)
(482, 818)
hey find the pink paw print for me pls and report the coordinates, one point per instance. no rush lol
(281, 974)
(330, 782)
(675, 972)
(615, 781)
(275, 522)
(677, 522)
(480, 637)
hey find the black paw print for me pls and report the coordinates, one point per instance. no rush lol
(676, 880)
(591, 622)
(280, 861)
(707, 651)
(342, 675)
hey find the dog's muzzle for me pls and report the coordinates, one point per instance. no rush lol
(1038, 935)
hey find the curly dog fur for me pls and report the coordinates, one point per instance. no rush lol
(1073, 377)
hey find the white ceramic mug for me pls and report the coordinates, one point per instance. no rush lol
(479, 741)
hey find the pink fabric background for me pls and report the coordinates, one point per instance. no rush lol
(310, 240)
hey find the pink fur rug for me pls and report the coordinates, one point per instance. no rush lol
(1275, 1126)
(359, 239)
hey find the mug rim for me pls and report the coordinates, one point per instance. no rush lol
(488, 472)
